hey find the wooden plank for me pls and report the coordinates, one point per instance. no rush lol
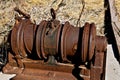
(115, 23)
(112, 65)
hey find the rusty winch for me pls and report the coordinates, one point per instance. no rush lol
(55, 51)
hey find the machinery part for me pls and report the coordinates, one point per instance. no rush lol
(19, 39)
(68, 43)
(101, 43)
(29, 35)
(85, 43)
(58, 46)
(14, 44)
(27, 16)
(38, 38)
(92, 41)
(42, 42)
(51, 38)
(20, 45)
(53, 14)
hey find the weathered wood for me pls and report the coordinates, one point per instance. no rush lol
(115, 23)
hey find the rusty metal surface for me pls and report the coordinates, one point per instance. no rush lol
(14, 38)
(97, 69)
(85, 42)
(57, 46)
(92, 41)
(63, 54)
(42, 42)
(101, 43)
(14, 43)
(20, 42)
(71, 47)
(51, 38)
(68, 43)
(44, 75)
(28, 36)
(38, 38)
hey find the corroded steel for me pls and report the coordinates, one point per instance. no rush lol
(62, 50)
(92, 41)
(101, 43)
(42, 41)
(28, 35)
(85, 43)
(21, 46)
(51, 38)
(63, 44)
(68, 43)
(14, 43)
(38, 38)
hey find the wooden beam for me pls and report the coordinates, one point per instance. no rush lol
(115, 23)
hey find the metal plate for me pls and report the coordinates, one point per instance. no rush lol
(101, 43)
(42, 40)
(20, 39)
(14, 35)
(63, 54)
(38, 38)
(85, 42)
(51, 38)
(71, 40)
(28, 36)
(92, 39)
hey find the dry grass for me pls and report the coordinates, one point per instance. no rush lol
(67, 10)
(117, 4)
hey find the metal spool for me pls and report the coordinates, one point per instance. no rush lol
(92, 41)
(38, 38)
(50, 37)
(47, 37)
(55, 44)
(22, 37)
(43, 54)
(20, 42)
(29, 35)
(85, 42)
(15, 38)
(69, 40)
